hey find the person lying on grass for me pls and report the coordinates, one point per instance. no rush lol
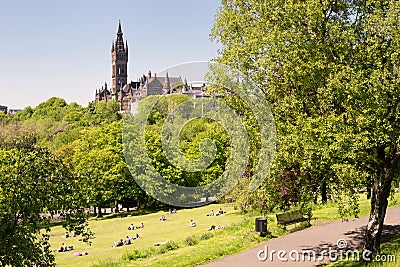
(127, 240)
(163, 219)
(161, 243)
(78, 254)
(135, 237)
(119, 243)
(213, 227)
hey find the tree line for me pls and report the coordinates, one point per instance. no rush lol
(58, 159)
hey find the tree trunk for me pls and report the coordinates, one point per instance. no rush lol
(381, 185)
(324, 194)
(94, 211)
(116, 206)
(100, 213)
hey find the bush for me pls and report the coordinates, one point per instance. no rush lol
(138, 254)
(190, 241)
(168, 247)
(106, 264)
(206, 236)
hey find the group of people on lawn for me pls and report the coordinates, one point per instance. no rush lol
(132, 227)
(220, 212)
(127, 240)
(192, 223)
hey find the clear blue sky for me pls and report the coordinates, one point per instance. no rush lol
(62, 48)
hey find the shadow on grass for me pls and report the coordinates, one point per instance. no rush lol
(139, 212)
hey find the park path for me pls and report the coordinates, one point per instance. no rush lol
(317, 239)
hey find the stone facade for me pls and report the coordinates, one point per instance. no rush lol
(130, 94)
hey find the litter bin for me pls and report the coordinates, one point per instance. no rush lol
(261, 225)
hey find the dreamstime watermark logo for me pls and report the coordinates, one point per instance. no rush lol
(341, 252)
(219, 78)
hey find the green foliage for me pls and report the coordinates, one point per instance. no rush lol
(330, 71)
(26, 167)
(190, 138)
(171, 245)
(190, 241)
(206, 236)
(138, 254)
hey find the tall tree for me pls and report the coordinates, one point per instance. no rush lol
(330, 70)
(34, 186)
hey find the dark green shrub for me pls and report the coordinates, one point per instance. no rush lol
(168, 247)
(190, 241)
(206, 236)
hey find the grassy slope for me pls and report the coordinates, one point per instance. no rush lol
(109, 230)
(237, 237)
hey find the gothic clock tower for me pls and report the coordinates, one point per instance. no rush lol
(119, 54)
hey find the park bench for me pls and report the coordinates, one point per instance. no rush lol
(291, 217)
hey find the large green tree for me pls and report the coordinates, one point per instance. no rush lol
(34, 188)
(330, 70)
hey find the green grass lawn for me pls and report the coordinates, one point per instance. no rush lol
(109, 230)
(238, 235)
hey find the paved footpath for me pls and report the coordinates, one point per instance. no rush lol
(317, 239)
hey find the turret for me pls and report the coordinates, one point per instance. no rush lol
(167, 85)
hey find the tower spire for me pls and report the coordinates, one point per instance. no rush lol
(119, 27)
(119, 54)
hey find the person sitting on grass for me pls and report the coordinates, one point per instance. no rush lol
(131, 227)
(63, 248)
(66, 235)
(220, 212)
(163, 219)
(211, 214)
(140, 226)
(127, 241)
(192, 223)
(118, 244)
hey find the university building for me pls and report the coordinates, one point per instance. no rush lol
(129, 94)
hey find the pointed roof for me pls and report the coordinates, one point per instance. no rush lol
(119, 27)
(119, 45)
